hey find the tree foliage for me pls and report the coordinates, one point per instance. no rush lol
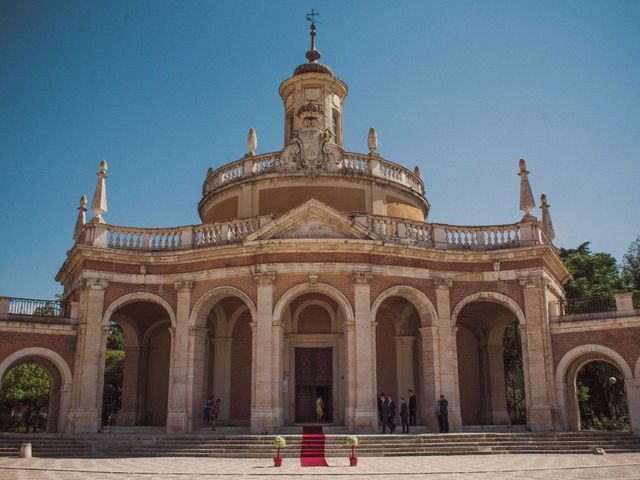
(593, 273)
(602, 402)
(24, 389)
(631, 263)
(514, 374)
(113, 380)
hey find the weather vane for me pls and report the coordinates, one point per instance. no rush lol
(313, 55)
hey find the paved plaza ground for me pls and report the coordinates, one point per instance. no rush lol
(473, 467)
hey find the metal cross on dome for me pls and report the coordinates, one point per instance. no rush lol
(311, 16)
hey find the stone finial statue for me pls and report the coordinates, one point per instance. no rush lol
(252, 142)
(99, 202)
(417, 171)
(547, 224)
(372, 140)
(82, 217)
(526, 197)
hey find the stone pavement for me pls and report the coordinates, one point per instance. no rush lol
(473, 467)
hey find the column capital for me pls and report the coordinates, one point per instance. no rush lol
(183, 286)
(198, 331)
(361, 276)
(533, 281)
(442, 282)
(95, 283)
(265, 277)
(105, 329)
(427, 329)
(405, 338)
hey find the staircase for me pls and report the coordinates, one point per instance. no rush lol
(143, 444)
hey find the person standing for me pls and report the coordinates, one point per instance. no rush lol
(215, 412)
(443, 418)
(384, 412)
(206, 414)
(380, 400)
(391, 416)
(319, 409)
(413, 408)
(404, 416)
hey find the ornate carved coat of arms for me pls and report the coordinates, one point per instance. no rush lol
(311, 148)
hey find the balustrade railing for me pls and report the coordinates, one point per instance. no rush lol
(580, 306)
(354, 163)
(389, 229)
(37, 308)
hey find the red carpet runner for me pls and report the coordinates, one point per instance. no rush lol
(312, 451)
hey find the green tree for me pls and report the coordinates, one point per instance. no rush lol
(514, 374)
(601, 400)
(631, 263)
(113, 379)
(25, 387)
(593, 273)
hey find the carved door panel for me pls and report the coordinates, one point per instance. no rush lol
(314, 378)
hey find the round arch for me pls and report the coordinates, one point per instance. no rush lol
(492, 297)
(66, 378)
(138, 297)
(303, 288)
(570, 362)
(636, 370)
(207, 301)
(318, 303)
(426, 310)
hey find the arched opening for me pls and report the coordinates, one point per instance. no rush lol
(602, 397)
(137, 364)
(313, 367)
(490, 366)
(591, 385)
(35, 386)
(223, 319)
(400, 356)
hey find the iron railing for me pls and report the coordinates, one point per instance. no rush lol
(38, 308)
(580, 306)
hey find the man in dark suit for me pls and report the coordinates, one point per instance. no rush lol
(380, 417)
(385, 412)
(443, 417)
(391, 417)
(404, 416)
(413, 408)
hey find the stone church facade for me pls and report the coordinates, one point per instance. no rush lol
(314, 273)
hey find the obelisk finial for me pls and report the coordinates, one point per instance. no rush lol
(82, 217)
(99, 202)
(547, 224)
(252, 142)
(313, 55)
(526, 197)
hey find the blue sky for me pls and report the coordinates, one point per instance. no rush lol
(164, 89)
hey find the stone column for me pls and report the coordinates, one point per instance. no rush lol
(127, 415)
(633, 401)
(404, 366)
(351, 384)
(497, 388)
(179, 382)
(196, 395)
(263, 415)
(221, 372)
(535, 352)
(447, 372)
(277, 345)
(85, 413)
(366, 411)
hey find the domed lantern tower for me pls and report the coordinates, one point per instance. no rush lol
(313, 162)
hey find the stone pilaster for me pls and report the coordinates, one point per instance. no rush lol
(365, 416)
(221, 373)
(196, 395)
(536, 352)
(633, 401)
(179, 382)
(263, 415)
(497, 392)
(85, 413)
(446, 380)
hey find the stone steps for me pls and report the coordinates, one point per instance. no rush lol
(141, 444)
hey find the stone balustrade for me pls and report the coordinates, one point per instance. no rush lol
(351, 163)
(388, 229)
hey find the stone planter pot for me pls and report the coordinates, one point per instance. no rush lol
(353, 461)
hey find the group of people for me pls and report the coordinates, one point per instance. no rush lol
(211, 412)
(387, 412)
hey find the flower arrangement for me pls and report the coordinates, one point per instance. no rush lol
(279, 443)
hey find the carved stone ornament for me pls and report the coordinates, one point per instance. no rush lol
(361, 276)
(313, 279)
(182, 286)
(266, 277)
(96, 283)
(441, 282)
(311, 148)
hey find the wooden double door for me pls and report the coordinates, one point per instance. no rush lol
(314, 379)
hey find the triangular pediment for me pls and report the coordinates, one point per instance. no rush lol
(312, 219)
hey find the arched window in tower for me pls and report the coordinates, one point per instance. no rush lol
(335, 126)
